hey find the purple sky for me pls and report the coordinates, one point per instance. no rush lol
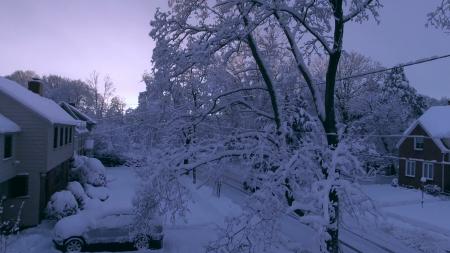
(74, 37)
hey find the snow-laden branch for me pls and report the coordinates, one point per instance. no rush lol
(359, 9)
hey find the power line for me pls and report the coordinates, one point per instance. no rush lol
(402, 65)
(407, 64)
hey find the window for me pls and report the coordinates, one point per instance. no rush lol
(428, 170)
(410, 169)
(18, 186)
(61, 136)
(66, 133)
(8, 152)
(418, 143)
(55, 137)
(70, 134)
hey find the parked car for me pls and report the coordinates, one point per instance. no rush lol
(78, 232)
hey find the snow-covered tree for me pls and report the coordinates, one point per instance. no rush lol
(249, 60)
(440, 17)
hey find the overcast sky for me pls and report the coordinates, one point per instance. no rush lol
(74, 37)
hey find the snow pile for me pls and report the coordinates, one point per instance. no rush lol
(40, 105)
(101, 193)
(62, 204)
(78, 192)
(7, 126)
(89, 171)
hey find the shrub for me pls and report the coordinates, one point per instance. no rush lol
(110, 159)
(101, 193)
(432, 189)
(94, 172)
(88, 171)
(61, 204)
(78, 192)
(394, 182)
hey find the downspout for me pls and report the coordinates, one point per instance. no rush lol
(442, 172)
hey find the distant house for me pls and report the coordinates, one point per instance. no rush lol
(83, 141)
(425, 150)
(37, 140)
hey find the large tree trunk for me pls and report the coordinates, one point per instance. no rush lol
(330, 120)
(266, 74)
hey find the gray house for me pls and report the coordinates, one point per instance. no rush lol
(82, 139)
(42, 148)
(8, 135)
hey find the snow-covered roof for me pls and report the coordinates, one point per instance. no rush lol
(7, 126)
(76, 114)
(46, 108)
(436, 123)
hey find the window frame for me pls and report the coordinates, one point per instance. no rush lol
(416, 142)
(407, 168)
(9, 137)
(429, 167)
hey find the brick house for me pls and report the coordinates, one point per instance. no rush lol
(424, 150)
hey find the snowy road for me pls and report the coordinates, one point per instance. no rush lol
(351, 241)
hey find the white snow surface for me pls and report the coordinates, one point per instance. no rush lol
(436, 121)
(46, 108)
(7, 125)
(207, 212)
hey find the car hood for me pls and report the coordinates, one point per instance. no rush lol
(75, 225)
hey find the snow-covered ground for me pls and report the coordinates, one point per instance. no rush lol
(425, 228)
(208, 212)
(405, 204)
(192, 235)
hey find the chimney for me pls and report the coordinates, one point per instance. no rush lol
(35, 86)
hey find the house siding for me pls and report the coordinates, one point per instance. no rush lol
(7, 166)
(36, 156)
(430, 153)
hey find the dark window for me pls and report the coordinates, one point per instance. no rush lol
(55, 137)
(18, 186)
(418, 143)
(8, 146)
(70, 134)
(61, 136)
(66, 133)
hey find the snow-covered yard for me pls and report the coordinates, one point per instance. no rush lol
(207, 212)
(409, 220)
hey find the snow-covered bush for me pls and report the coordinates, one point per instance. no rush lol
(89, 171)
(62, 204)
(100, 192)
(432, 189)
(94, 172)
(394, 182)
(78, 192)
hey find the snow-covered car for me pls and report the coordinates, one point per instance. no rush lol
(78, 232)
